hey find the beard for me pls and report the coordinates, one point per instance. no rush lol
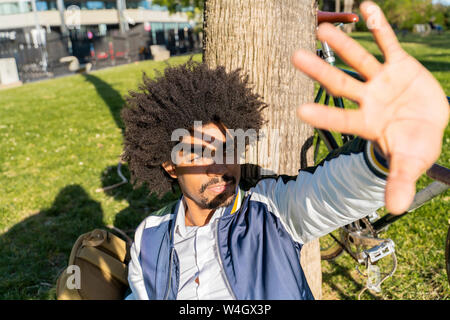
(222, 200)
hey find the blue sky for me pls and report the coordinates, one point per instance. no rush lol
(442, 1)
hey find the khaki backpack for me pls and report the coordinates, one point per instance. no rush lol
(97, 269)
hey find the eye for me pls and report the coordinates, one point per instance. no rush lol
(199, 154)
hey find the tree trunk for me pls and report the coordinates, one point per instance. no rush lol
(337, 6)
(260, 36)
(348, 7)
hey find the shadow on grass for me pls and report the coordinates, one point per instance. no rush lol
(140, 201)
(331, 278)
(436, 41)
(434, 66)
(112, 98)
(36, 250)
(433, 40)
(430, 65)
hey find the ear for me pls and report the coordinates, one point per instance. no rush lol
(169, 167)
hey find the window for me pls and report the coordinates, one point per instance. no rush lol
(15, 7)
(110, 5)
(144, 4)
(95, 5)
(52, 5)
(41, 6)
(79, 4)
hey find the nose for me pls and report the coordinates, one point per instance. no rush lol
(216, 169)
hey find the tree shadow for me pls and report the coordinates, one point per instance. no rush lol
(112, 98)
(141, 201)
(433, 40)
(432, 65)
(35, 251)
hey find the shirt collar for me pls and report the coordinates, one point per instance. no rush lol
(180, 225)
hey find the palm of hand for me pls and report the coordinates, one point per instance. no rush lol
(405, 113)
(397, 113)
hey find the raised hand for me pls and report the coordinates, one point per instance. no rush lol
(402, 108)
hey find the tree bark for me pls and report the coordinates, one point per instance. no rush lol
(260, 36)
(348, 7)
(337, 6)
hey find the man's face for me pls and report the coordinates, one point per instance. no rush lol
(205, 174)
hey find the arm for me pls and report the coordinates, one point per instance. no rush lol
(346, 186)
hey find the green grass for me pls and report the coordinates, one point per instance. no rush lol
(61, 140)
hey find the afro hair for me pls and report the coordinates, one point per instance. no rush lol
(175, 99)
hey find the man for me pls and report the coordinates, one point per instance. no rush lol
(220, 241)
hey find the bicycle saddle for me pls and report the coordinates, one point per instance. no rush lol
(336, 17)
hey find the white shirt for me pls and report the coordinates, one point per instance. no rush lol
(198, 257)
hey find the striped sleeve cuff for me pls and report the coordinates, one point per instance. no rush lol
(376, 162)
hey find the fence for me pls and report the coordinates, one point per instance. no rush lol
(42, 60)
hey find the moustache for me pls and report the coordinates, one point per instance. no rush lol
(214, 181)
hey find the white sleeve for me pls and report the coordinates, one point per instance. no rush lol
(135, 276)
(335, 193)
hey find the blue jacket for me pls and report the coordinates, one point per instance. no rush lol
(260, 243)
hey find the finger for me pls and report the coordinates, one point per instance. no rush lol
(349, 50)
(400, 186)
(381, 30)
(338, 83)
(334, 119)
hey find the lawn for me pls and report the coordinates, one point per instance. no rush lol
(61, 140)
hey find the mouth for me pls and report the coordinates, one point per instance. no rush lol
(220, 187)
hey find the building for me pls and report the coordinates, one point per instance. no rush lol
(103, 32)
(98, 16)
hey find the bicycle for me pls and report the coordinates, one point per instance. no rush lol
(361, 239)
